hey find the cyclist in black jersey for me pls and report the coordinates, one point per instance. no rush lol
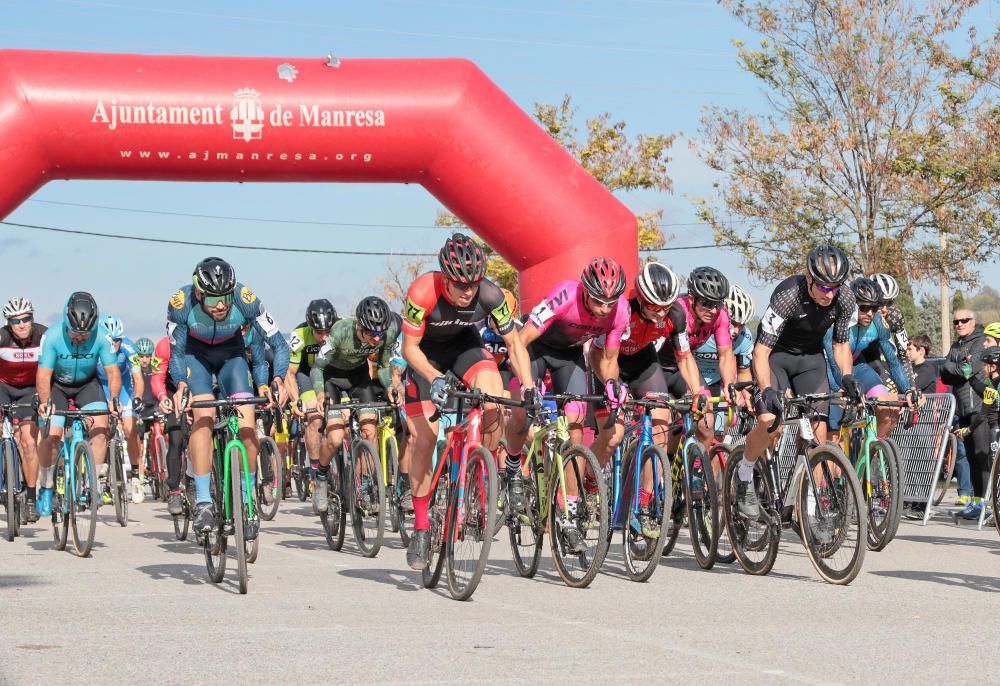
(788, 354)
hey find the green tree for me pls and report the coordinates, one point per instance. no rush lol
(870, 142)
(927, 320)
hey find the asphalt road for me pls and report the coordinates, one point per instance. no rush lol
(142, 609)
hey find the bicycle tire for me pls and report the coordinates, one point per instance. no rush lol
(703, 511)
(480, 489)
(677, 503)
(10, 488)
(60, 507)
(366, 495)
(526, 529)
(437, 512)
(901, 492)
(720, 458)
(215, 542)
(641, 567)
(750, 537)
(994, 486)
(335, 518)
(846, 494)
(947, 469)
(181, 524)
(268, 451)
(84, 477)
(236, 477)
(391, 458)
(302, 468)
(119, 488)
(882, 493)
(580, 570)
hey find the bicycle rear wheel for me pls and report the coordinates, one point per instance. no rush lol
(947, 469)
(834, 528)
(238, 513)
(335, 519)
(437, 512)
(10, 486)
(881, 486)
(702, 507)
(83, 502)
(675, 518)
(300, 472)
(160, 467)
(755, 542)
(119, 486)
(526, 528)
(60, 505)
(720, 458)
(366, 495)
(269, 453)
(468, 545)
(579, 563)
(391, 478)
(642, 550)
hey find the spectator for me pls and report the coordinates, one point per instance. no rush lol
(964, 361)
(926, 374)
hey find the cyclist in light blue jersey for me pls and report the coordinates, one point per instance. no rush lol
(67, 370)
(132, 388)
(739, 304)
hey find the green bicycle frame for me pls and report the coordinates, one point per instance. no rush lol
(543, 435)
(233, 425)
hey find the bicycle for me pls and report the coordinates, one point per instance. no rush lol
(548, 505)
(828, 501)
(233, 497)
(12, 484)
(118, 471)
(269, 464)
(637, 456)
(695, 491)
(388, 451)
(155, 450)
(76, 493)
(876, 462)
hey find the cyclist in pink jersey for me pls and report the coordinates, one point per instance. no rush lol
(705, 308)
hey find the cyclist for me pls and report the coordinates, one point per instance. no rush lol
(704, 306)
(147, 364)
(893, 319)
(20, 346)
(494, 342)
(204, 321)
(130, 397)
(440, 335)
(788, 353)
(67, 370)
(341, 368)
(869, 329)
(740, 307)
(305, 342)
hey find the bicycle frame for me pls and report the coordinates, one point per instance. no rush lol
(16, 479)
(466, 436)
(67, 449)
(645, 430)
(543, 449)
(233, 427)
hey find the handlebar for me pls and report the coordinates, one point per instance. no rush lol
(228, 402)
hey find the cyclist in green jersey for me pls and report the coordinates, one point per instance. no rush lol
(341, 368)
(305, 341)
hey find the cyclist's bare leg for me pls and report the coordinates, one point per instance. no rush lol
(134, 446)
(27, 443)
(423, 436)
(248, 434)
(490, 382)
(200, 441)
(99, 438)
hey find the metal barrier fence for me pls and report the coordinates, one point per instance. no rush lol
(921, 448)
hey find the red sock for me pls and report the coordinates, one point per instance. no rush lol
(645, 497)
(421, 522)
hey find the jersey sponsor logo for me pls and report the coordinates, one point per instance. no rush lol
(19, 355)
(267, 322)
(559, 298)
(76, 356)
(702, 355)
(772, 322)
(177, 300)
(542, 313)
(247, 296)
(414, 313)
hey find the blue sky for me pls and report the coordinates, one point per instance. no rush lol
(653, 63)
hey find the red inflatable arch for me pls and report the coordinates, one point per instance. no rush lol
(437, 122)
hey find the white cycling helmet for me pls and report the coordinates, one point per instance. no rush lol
(657, 284)
(888, 286)
(16, 306)
(739, 304)
(113, 327)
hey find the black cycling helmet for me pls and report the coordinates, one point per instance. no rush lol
(866, 291)
(373, 314)
(462, 259)
(81, 312)
(214, 276)
(828, 264)
(708, 283)
(991, 355)
(320, 315)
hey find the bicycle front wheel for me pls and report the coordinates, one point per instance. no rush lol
(10, 486)
(755, 541)
(882, 493)
(335, 518)
(84, 500)
(215, 541)
(60, 503)
(702, 506)
(578, 517)
(720, 458)
(526, 528)
(268, 454)
(367, 498)
(437, 513)
(644, 534)
(391, 460)
(117, 482)
(301, 470)
(468, 541)
(832, 517)
(238, 513)
(160, 447)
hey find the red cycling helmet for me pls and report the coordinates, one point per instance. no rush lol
(604, 279)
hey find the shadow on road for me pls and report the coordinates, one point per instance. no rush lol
(16, 580)
(404, 580)
(989, 543)
(190, 575)
(975, 582)
(46, 544)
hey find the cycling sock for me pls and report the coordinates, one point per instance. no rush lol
(645, 497)
(513, 464)
(321, 471)
(314, 466)
(31, 493)
(745, 470)
(202, 488)
(253, 480)
(589, 484)
(421, 520)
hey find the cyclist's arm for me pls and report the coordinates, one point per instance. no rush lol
(291, 382)
(843, 358)
(384, 364)
(688, 368)
(416, 358)
(727, 367)
(832, 369)
(761, 364)
(138, 384)
(178, 343)
(114, 376)
(896, 369)
(605, 362)
(528, 334)
(43, 384)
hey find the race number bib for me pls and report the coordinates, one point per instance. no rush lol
(267, 323)
(772, 322)
(295, 343)
(542, 313)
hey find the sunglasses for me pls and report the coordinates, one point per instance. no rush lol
(464, 287)
(826, 289)
(22, 320)
(711, 304)
(213, 300)
(374, 334)
(867, 308)
(602, 303)
(956, 322)
(655, 308)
